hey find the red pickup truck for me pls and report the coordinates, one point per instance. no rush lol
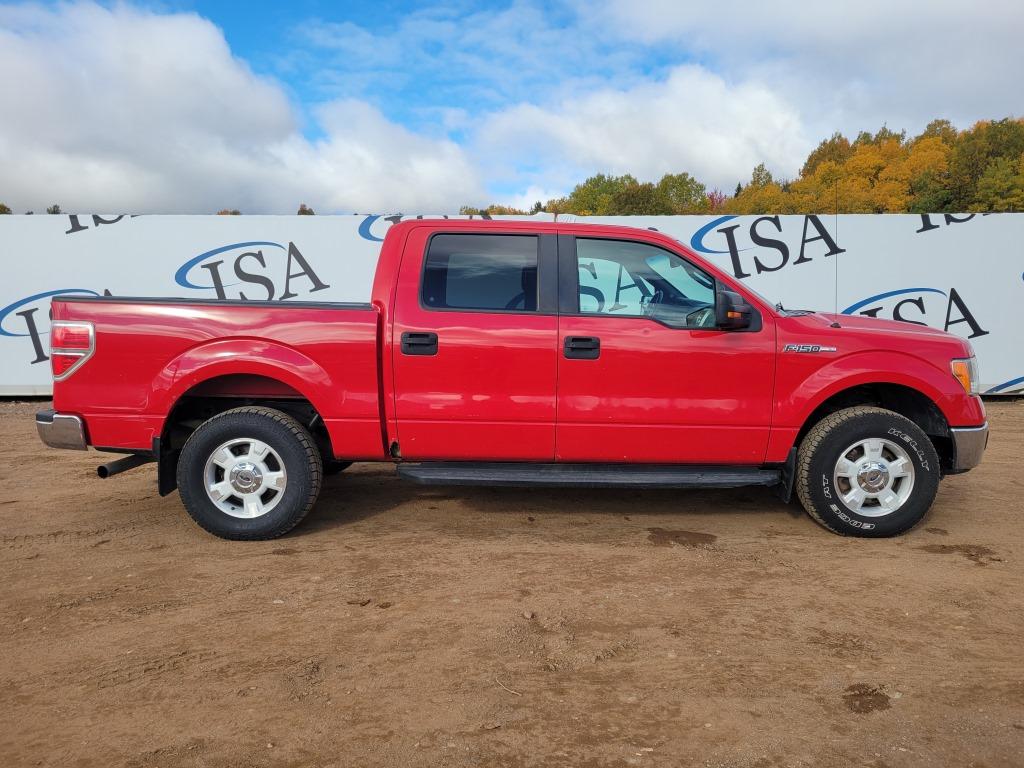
(518, 353)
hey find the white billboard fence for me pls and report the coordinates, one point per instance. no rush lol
(961, 273)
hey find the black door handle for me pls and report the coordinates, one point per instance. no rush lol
(419, 343)
(582, 347)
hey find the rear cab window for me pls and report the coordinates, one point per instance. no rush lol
(482, 273)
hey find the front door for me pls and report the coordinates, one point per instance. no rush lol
(643, 373)
(474, 347)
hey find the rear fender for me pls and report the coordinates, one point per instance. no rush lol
(224, 358)
(241, 356)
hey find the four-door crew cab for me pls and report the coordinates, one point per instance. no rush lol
(509, 353)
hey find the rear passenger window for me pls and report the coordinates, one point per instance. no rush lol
(481, 272)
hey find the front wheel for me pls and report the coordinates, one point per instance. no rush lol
(868, 472)
(249, 473)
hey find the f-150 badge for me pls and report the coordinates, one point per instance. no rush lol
(807, 348)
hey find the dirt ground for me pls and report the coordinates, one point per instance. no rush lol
(409, 626)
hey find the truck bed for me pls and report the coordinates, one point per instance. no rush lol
(150, 352)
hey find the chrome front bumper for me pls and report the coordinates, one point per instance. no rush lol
(61, 430)
(970, 443)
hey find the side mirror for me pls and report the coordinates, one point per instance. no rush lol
(732, 313)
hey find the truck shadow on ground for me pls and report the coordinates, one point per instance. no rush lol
(366, 492)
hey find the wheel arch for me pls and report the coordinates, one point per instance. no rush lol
(221, 389)
(908, 401)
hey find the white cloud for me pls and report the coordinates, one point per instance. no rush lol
(850, 65)
(124, 109)
(524, 200)
(694, 120)
(120, 109)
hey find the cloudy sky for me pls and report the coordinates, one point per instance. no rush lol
(188, 107)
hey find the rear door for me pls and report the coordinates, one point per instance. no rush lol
(474, 346)
(644, 376)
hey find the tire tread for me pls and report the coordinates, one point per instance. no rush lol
(813, 439)
(306, 442)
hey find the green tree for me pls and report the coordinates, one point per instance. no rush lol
(494, 209)
(638, 199)
(974, 150)
(305, 210)
(930, 193)
(884, 134)
(1001, 186)
(4, 209)
(942, 130)
(53, 209)
(761, 177)
(836, 149)
(229, 212)
(684, 193)
(594, 196)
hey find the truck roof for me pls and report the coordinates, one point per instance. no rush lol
(506, 225)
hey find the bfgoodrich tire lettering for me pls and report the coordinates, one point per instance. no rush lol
(905, 450)
(292, 446)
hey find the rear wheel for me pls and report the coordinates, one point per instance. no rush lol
(249, 473)
(866, 471)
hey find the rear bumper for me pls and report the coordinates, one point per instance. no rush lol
(970, 444)
(61, 430)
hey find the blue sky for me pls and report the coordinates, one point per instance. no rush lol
(418, 63)
(187, 106)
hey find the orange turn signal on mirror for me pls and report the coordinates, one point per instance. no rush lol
(732, 314)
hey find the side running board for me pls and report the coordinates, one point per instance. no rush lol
(587, 475)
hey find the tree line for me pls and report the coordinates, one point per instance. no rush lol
(941, 170)
(304, 210)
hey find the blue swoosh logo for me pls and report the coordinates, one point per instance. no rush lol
(22, 302)
(364, 229)
(697, 241)
(181, 276)
(888, 294)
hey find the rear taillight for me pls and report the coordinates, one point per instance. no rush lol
(71, 344)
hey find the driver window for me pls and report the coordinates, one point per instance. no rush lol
(606, 287)
(618, 277)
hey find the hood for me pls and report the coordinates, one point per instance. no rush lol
(819, 325)
(863, 322)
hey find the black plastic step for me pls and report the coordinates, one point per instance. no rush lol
(587, 475)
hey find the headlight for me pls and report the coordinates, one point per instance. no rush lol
(966, 372)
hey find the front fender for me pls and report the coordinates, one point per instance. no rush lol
(798, 398)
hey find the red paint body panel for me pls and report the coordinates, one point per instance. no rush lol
(499, 387)
(489, 391)
(666, 395)
(149, 355)
(659, 394)
(869, 351)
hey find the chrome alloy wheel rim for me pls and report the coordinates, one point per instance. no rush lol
(245, 478)
(874, 477)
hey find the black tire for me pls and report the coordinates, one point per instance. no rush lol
(333, 466)
(821, 493)
(291, 442)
